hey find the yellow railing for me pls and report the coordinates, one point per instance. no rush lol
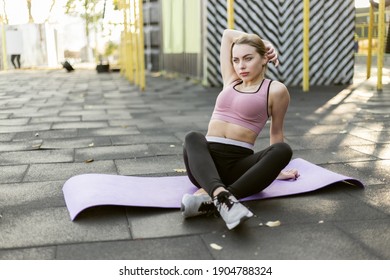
(132, 61)
(362, 30)
(3, 45)
(306, 48)
(376, 31)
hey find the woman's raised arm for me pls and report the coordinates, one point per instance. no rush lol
(225, 59)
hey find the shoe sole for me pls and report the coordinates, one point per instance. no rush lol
(243, 219)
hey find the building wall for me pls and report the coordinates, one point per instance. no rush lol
(152, 34)
(281, 22)
(182, 35)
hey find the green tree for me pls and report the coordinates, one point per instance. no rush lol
(30, 17)
(4, 16)
(29, 9)
(91, 13)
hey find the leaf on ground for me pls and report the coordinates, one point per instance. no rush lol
(89, 160)
(273, 223)
(179, 170)
(216, 246)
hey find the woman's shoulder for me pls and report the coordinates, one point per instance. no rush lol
(277, 88)
(278, 93)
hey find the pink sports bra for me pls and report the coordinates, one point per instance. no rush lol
(247, 109)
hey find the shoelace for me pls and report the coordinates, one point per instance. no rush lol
(224, 200)
(207, 207)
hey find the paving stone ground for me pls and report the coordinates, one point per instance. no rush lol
(51, 122)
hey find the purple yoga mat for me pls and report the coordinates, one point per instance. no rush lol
(88, 190)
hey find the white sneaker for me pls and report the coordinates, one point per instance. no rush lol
(231, 210)
(195, 205)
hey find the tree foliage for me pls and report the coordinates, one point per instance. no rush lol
(89, 10)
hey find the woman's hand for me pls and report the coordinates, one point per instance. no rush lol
(271, 53)
(288, 174)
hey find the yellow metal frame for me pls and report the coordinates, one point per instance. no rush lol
(132, 59)
(230, 14)
(381, 43)
(370, 29)
(4, 49)
(306, 53)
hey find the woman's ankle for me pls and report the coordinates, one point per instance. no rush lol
(218, 190)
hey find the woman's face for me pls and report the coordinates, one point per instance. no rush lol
(247, 62)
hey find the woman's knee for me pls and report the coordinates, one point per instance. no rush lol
(284, 150)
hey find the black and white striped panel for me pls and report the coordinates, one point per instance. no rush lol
(281, 22)
(216, 22)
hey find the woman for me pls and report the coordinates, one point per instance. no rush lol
(222, 163)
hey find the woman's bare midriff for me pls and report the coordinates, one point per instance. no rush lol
(224, 129)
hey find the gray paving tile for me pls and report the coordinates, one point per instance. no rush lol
(54, 119)
(108, 117)
(322, 142)
(82, 113)
(76, 142)
(52, 226)
(14, 121)
(349, 169)
(33, 113)
(372, 235)
(329, 129)
(70, 125)
(111, 152)
(50, 134)
(375, 126)
(166, 128)
(170, 222)
(165, 149)
(374, 136)
(149, 165)
(36, 156)
(13, 173)
(377, 196)
(36, 195)
(334, 203)
(145, 138)
(6, 136)
(124, 121)
(186, 119)
(63, 171)
(381, 151)
(332, 155)
(178, 248)
(20, 128)
(20, 145)
(378, 169)
(39, 253)
(287, 242)
(108, 131)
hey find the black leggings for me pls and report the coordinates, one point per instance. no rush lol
(241, 171)
(17, 57)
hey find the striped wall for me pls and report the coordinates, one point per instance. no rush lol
(281, 22)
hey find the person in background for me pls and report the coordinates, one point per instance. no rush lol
(14, 44)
